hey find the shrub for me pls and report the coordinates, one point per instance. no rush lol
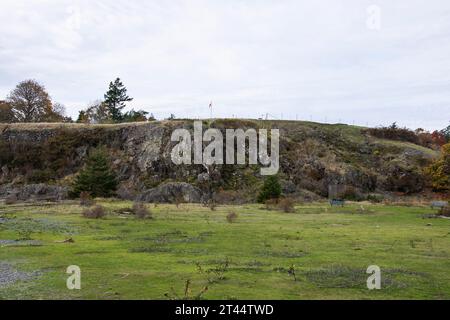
(271, 204)
(141, 211)
(232, 217)
(375, 198)
(86, 199)
(439, 170)
(11, 199)
(96, 177)
(228, 197)
(352, 194)
(40, 176)
(270, 190)
(213, 206)
(178, 200)
(445, 211)
(394, 132)
(287, 205)
(96, 212)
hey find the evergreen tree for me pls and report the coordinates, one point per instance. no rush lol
(115, 99)
(270, 190)
(96, 177)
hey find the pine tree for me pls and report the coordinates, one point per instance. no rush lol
(270, 190)
(115, 99)
(96, 177)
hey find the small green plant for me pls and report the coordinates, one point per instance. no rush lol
(270, 190)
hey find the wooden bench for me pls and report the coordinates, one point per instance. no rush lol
(337, 202)
(439, 204)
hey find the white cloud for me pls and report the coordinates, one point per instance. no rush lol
(311, 59)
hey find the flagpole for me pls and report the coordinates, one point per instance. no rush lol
(210, 109)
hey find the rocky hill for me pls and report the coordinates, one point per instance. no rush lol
(41, 160)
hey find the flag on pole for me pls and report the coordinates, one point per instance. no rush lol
(210, 108)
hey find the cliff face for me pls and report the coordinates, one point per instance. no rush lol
(312, 157)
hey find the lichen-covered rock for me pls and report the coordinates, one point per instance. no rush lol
(312, 156)
(35, 192)
(172, 192)
(144, 143)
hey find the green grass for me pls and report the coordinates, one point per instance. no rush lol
(124, 258)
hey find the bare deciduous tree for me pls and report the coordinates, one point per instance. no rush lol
(30, 102)
(97, 112)
(58, 114)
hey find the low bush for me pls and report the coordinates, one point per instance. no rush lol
(271, 204)
(352, 194)
(212, 206)
(86, 199)
(394, 132)
(178, 200)
(141, 211)
(445, 211)
(229, 197)
(40, 175)
(96, 212)
(286, 205)
(11, 199)
(375, 198)
(232, 217)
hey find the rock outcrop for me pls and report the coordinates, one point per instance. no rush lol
(40, 160)
(32, 192)
(172, 192)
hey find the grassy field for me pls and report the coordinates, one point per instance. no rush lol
(328, 249)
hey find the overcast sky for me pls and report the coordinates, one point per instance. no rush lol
(320, 60)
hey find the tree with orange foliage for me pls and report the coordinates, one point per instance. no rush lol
(439, 171)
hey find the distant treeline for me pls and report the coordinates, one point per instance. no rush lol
(30, 102)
